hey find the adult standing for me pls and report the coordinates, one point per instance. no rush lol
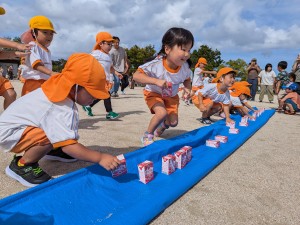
(119, 58)
(253, 70)
(266, 79)
(296, 69)
(125, 79)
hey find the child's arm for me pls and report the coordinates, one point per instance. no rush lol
(187, 87)
(144, 79)
(12, 44)
(112, 70)
(79, 151)
(40, 67)
(227, 114)
(209, 72)
(202, 107)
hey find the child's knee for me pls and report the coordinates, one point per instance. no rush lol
(173, 123)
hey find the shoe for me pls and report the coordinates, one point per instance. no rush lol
(160, 129)
(279, 110)
(271, 101)
(112, 115)
(89, 111)
(58, 155)
(147, 139)
(83, 107)
(29, 175)
(205, 121)
(123, 92)
(187, 102)
(260, 100)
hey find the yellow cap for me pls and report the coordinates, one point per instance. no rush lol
(41, 22)
(2, 11)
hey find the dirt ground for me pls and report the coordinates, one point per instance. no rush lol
(258, 184)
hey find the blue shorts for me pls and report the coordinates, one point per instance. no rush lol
(294, 105)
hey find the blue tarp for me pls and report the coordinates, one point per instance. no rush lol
(91, 196)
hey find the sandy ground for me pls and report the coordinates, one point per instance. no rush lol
(258, 184)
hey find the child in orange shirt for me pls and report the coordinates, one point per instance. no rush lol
(53, 122)
(162, 77)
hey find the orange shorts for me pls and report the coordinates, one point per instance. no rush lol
(171, 103)
(4, 85)
(108, 85)
(206, 102)
(31, 85)
(32, 136)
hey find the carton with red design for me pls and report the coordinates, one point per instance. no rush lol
(213, 143)
(180, 158)
(188, 150)
(231, 125)
(167, 90)
(121, 169)
(168, 164)
(222, 139)
(146, 171)
(234, 131)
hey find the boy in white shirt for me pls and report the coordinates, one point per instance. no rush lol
(53, 122)
(212, 97)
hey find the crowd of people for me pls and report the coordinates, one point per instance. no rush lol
(50, 129)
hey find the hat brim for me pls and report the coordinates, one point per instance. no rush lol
(2, 11)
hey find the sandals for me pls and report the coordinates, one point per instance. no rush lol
(288, 112)
(279, 110)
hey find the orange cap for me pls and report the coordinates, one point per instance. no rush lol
(241, 89)
(2, 11)
(222, 72)
(82, 69)
(201, 60)
(102, 36)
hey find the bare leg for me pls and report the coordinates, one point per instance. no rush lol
(35, 153)
(159, 116)
(9, 97)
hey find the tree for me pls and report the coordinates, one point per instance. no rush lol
(137, 55)
(58, 65)
(240, 66)
(213, 57)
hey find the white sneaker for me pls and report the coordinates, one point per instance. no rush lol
(123, 93)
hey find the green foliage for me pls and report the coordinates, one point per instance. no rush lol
(137, 56)
(58, 65)
(213, 57)
(240, 66)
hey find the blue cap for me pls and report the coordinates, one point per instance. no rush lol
(293, 86)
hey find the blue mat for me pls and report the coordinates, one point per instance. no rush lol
(91, 196)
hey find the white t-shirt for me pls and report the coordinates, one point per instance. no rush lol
(38, 54)
(105, 60)
(267, 78)
(211, 91)
(59, 120)
(198, 78)
(157, 69)
(23, 68)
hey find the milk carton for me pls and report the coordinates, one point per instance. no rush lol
(213, 143)
(222, 139)
(188, 150)
(121, 169)
(230, 125)
(234, 130)
(168, 164)
(167, 91)
(146, 171)
(180, 158)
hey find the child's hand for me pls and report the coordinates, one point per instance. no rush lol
(108, 161)
(228, 120)
(23, 47)
(161, 83)
(22, 54)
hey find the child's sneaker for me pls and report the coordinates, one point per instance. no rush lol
(29, 175)
(58, 155)
(88, 109)
(160, 129)
(147, 139)
(112, 115)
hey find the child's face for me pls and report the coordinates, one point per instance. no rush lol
(45, 37)
(201, 65)
(106, 46)
(287, 90)
(228, 79)
(83, 97)
(177, 55)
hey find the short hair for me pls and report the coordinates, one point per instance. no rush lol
(116, 38)
(268, 65)
(293, 76)
(283, 64)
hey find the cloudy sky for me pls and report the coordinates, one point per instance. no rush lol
(268, 30)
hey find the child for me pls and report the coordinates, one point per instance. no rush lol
(238, 97)
(7, 92)
(291, 100)
(211, 98)
(162, 77)
(104, 42)
(282, 78)
(198, 75)
(53, 122)
(40, 36)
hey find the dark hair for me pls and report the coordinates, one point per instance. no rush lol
(34, 33)
(268, 64)
(176, 36)
(293, 76)
(116, 38)
(283, 64)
